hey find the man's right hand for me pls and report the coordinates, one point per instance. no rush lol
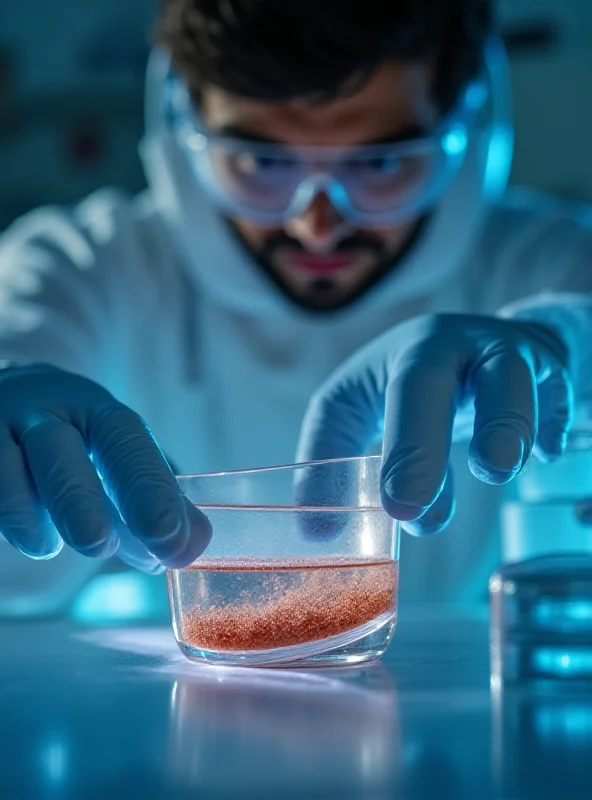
(77, 466)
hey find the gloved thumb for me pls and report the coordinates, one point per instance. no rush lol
(343, 419)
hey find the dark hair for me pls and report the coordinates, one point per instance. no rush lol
(279, 50)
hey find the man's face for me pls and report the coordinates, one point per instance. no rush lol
(318, 257)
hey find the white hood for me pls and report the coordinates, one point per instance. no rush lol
(260, 357)
(235, 282)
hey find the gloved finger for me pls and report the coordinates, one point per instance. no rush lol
(506, 418)
(70, 488)
(132, 552)
(24, 520)
(325, 493)
(438, 516)
(419, 415)
(143, 487)
(556, 411)
(342, 421)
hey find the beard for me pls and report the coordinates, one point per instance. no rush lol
(328, 293)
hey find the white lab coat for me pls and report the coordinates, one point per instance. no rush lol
(151, 297)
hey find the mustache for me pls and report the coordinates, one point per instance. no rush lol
(355, 242)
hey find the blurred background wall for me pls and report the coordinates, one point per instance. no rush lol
(71, 83)
(550, 43)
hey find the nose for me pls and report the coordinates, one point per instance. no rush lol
(320, 227)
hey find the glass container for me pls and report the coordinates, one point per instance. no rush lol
(302, 567)
(541, 598)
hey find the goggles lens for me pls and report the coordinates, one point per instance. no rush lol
(372, 183)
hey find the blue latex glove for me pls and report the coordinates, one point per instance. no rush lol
(58, 433)
(502, 383)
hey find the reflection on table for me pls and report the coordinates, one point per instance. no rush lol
(89, 712)
(542, 741)
(333, 729)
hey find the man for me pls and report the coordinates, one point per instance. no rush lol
(317, 179)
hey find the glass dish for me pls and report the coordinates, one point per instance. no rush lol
(541, 596)
(302, 568)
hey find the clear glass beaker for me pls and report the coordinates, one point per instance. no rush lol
(541, 598)
(302, 567)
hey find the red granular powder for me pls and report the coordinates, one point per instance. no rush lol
(250, 606)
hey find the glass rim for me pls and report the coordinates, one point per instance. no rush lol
(279, 467)
(318, 509)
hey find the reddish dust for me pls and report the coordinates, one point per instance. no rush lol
(286, 604)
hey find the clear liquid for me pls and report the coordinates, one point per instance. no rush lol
(245, 606)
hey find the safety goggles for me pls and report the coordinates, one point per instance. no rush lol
(371, 184)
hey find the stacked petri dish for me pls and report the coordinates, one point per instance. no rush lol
(541, 598)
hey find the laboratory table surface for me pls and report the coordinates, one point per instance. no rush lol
(119, 713)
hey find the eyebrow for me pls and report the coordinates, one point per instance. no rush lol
(413, 131)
